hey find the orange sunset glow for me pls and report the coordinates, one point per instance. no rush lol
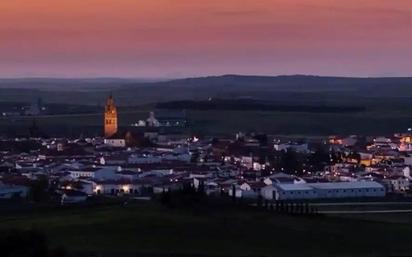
(175, 38)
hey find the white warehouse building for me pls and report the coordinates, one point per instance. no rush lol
(335, 190)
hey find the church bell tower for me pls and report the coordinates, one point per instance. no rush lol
(110, 118)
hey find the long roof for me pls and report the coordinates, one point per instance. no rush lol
(329, 185)
(294, 187)
(347, 185)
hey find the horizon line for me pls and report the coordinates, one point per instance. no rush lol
(154, 79)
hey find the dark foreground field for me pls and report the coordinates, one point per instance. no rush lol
(148, 229)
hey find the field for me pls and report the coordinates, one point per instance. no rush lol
(383, 104)
(148, 229)
(370, 122)
(290, 123)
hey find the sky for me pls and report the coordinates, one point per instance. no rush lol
(182, 38)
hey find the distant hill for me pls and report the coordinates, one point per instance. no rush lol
(68, 84)
(297, 88)
(294, 83)
(255, 105)
(279, 88)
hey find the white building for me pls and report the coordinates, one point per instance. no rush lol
(330, 190)
(297, 147)
(288, 192)
(115, 187)
(243, 190)
(95, 172)
(115, 142)
(397, 184)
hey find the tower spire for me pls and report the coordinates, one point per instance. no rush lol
(110, 117)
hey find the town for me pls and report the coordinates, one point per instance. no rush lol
(153, 156)
(180, 128)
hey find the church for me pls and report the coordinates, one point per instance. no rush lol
(159, 127)
(112, 135)
(110, 118)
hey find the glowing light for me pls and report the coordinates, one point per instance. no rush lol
(126, 188)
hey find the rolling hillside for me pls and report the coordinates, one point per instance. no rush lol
(281, 88)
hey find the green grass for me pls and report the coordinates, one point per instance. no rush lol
(152, 229)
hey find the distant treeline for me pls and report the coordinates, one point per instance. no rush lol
(256, 105)
(50, 108)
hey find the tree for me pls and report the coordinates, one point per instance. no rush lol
(289, 161)
(319, 159)
(335, 157)
(262, 138)
(166, 198)
(39, 190)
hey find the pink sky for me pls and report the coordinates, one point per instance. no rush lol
(176, 38)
